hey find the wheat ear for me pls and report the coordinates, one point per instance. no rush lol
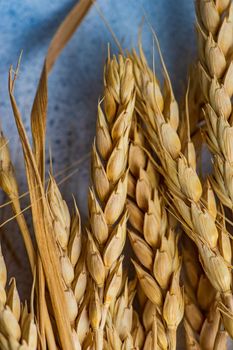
(215, 42)
(152, 239)
(107, 196)
(71, 251)
(185, 189)
(9, 185)
(203, 324)
(17, 325)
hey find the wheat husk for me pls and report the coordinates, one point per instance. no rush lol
(43, 227)
(107, 197)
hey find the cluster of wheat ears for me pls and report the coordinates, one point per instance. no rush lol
(145, 189)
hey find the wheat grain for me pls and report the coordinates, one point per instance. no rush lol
(185, 189)
(107, 197)
(17, 325)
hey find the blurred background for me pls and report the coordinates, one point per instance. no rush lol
(75, 83)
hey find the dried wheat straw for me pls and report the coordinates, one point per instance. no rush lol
(107, 197)
(9, 185)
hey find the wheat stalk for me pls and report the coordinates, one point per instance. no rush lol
(107, 197)
(17, 325)
(152, 239)
(185, 190)
(215, 42)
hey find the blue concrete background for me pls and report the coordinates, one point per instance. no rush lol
(76, 81)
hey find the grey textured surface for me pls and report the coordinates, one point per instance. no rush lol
(76, 81)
